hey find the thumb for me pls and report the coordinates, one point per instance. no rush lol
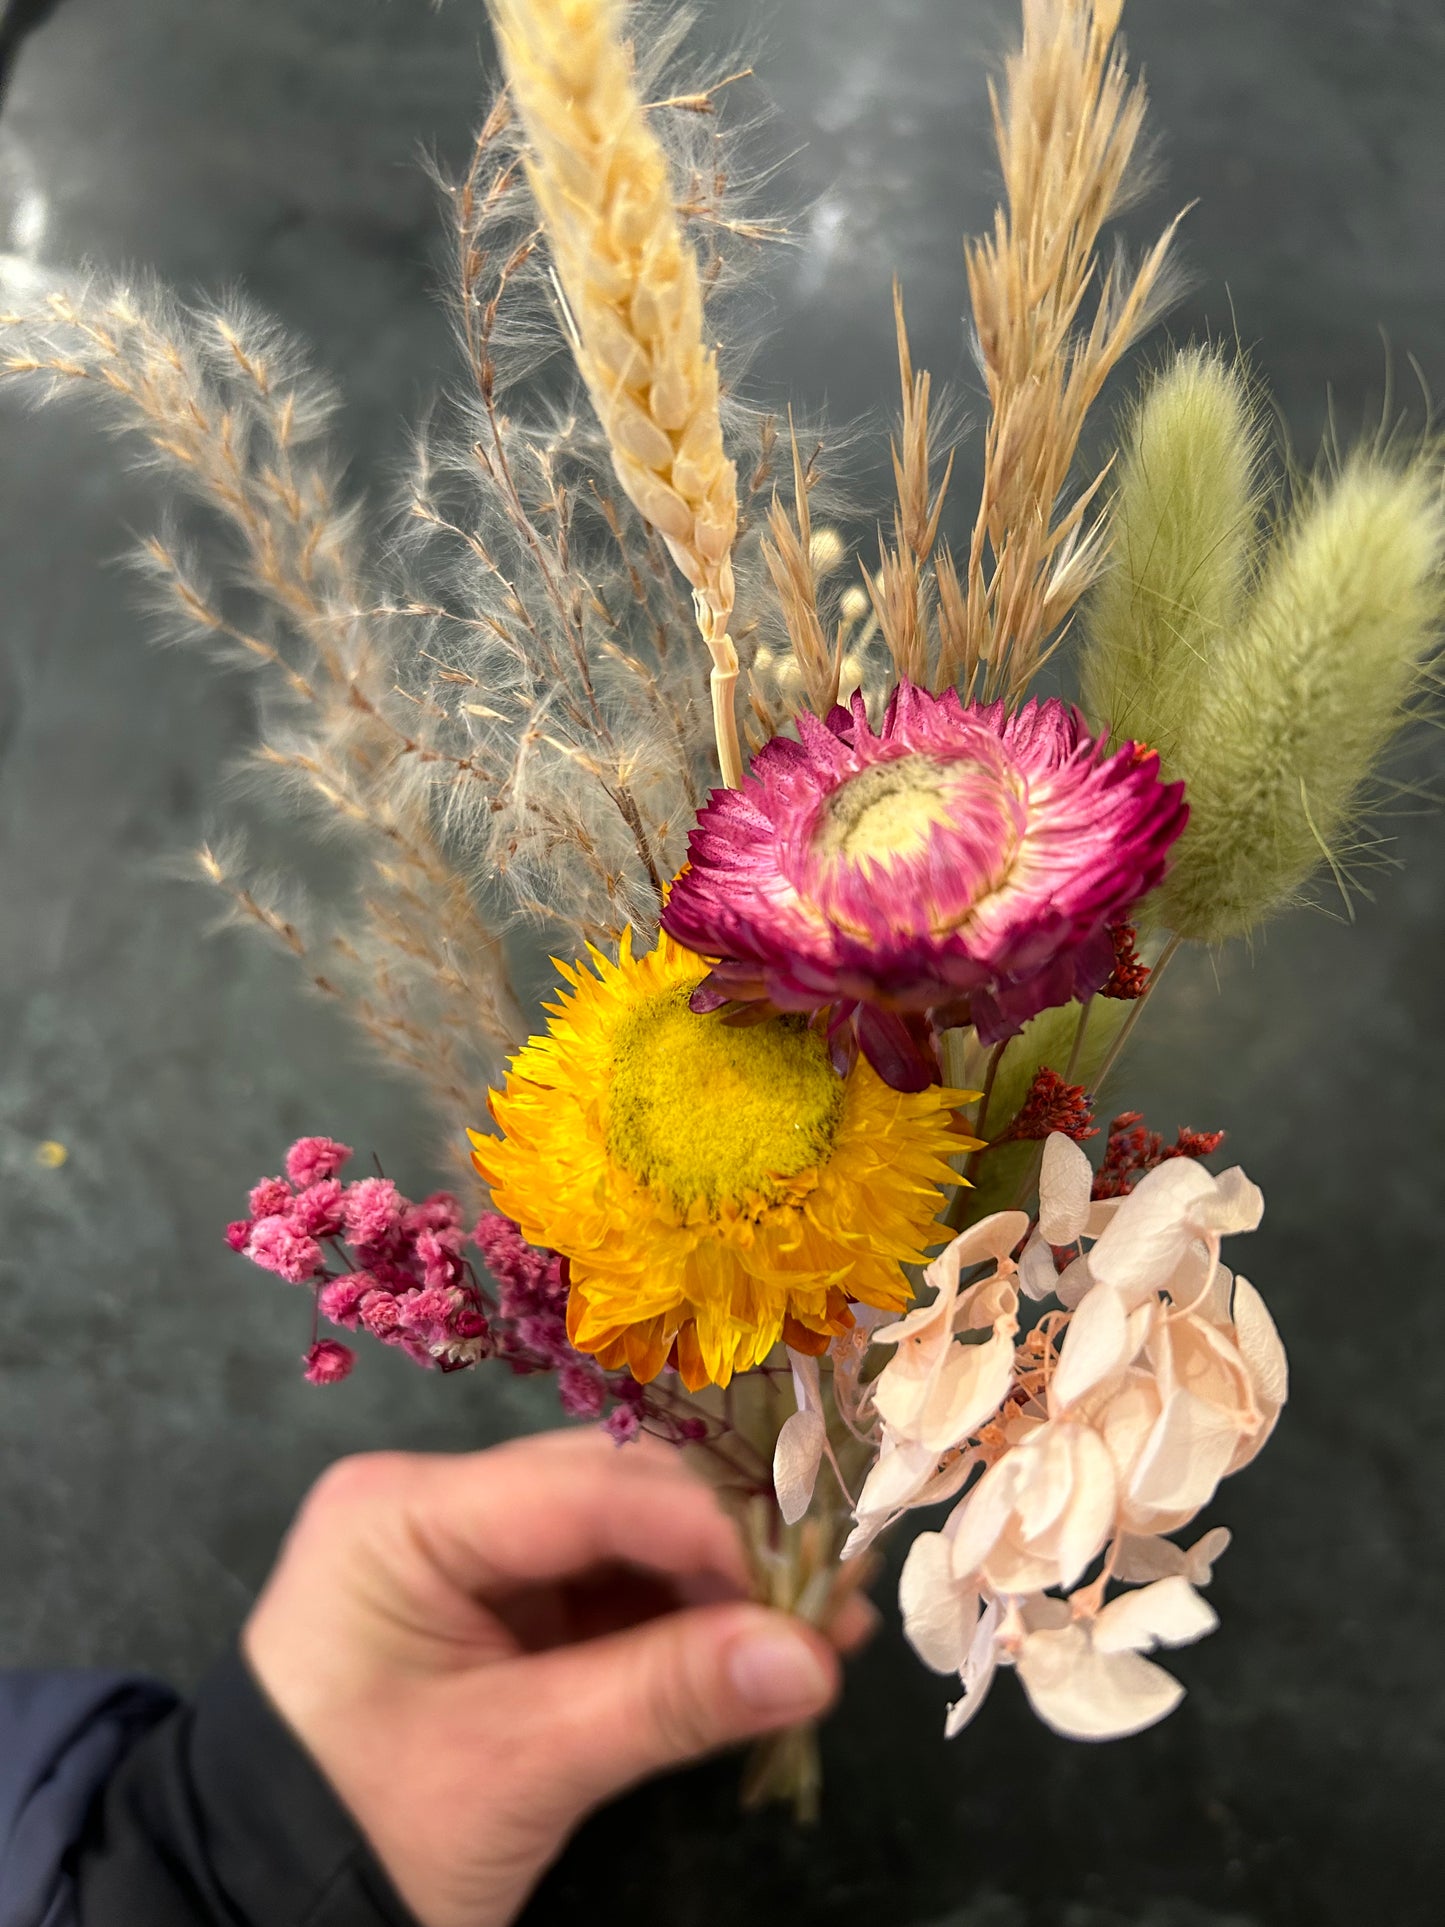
(618, 1709)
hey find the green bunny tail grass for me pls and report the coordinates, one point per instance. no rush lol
(1185, 516)
(1301, 700)
(1047, 1040)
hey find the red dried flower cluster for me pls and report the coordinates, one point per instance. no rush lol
(1052, 1105)
(1130, 976)
(1133, 1149)
(376, 1261)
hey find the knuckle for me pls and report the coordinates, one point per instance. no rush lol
(357, 1482)
(680, 1705)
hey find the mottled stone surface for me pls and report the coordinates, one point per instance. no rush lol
(154, 1435)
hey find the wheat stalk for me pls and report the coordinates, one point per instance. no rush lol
(633, 298)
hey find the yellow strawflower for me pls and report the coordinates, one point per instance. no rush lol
(714, 1187)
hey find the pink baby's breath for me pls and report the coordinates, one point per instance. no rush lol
(340, 1301)
(312, 1158)
(380, 1313)
(276, 1244)
(622, 1423)
(372, 1209)
(328, 1362)
(317, 1210)
(582, 1390)
(270, 1198)
(439, 1212)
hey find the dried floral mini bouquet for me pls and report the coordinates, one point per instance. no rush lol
(850, 919)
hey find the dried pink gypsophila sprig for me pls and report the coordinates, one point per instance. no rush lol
(962, 864)
(405, 1279)
(1105, 1427)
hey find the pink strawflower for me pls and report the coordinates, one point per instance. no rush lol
(960, 865)
(340, 1301)
(270, 1198)
(372, 1209)
(238, 1233)
(328, 1362)
(313, 1158)
(317, 1209)
(277, 1245)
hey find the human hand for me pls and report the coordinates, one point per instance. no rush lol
(478, 1650)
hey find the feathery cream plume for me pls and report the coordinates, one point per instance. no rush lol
(633, 297)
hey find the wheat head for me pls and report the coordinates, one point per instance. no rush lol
(630, 282)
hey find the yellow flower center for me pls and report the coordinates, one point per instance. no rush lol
(713, 1113)
(889, 810)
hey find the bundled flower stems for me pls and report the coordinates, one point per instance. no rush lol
(850, 920)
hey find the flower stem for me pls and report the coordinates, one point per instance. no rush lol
(1126, 1030)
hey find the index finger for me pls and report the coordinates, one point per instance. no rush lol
(527, 1513)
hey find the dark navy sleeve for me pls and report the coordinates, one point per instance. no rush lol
(208, 1814)
(61, 1737)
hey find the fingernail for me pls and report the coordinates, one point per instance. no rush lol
(773, 1671)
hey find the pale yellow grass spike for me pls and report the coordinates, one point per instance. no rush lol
(630, 279)
(1067, 128)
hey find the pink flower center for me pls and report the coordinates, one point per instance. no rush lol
(948, 828)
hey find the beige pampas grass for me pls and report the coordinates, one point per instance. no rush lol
(224, 406)
(630, 280)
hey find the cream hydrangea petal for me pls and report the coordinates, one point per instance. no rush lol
(973, 1385)
(1260, 1346)
(1141, 1246)
(1167, 1613)
(977, 1671)
(796, 1458)
(977, 1524)
(1075, 1281)
(1187, 1454)
(1038, 1274)
(1093, 1501)
(1065, 1181)
(1102, 1213)
(1085, 1695)
(1237, 1204)
(1142, 1557)
(939, 1615)
(903, 1476)
(1095, 1347)
(1201, 1556)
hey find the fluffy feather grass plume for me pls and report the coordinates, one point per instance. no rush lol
(1295, 706)
(1185, 529)
(229, 411)
(484, 697)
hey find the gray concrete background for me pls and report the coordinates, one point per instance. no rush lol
(153, 1434)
